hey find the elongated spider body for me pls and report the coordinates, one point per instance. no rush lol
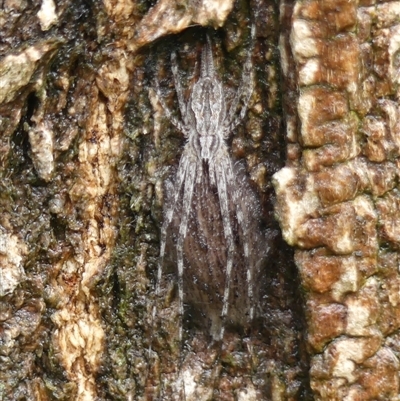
(210, 203)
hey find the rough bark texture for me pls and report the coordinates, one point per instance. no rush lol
(338, 196)
(85, 149)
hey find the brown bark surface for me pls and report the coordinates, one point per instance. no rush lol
(85, 150)
(338, 197)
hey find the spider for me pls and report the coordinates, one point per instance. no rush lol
(207, 120)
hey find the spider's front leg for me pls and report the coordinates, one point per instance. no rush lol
(182, 127)
(178, 124)
(178, 89)
(244, 92)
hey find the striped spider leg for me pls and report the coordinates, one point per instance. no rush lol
(206, 123)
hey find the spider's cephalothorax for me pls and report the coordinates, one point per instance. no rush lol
(208, 118)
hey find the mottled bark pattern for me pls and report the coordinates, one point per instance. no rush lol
(338, 196)
(59, 143)
(85, 151)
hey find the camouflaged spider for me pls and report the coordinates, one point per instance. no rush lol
(206, 124)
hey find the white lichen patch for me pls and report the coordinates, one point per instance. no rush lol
(212, 10)
(393, 50)
(348, 352)
(248, 394)
(41, 139)
(12, 252)
(386, 14)
(194, 390)
(303, 44)
(358, 317)
(112, 75)
(168, 17)
(79, 341)
(362, 310)
(189, 382)
(342, 241)
(348, 281)
(306, 106)
(309, 71)
(17, 70)
(47, 14)
(291, 129)
(293, 211)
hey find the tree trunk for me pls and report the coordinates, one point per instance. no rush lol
(338, 198)
(87, 153)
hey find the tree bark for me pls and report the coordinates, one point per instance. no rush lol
(338, 194)
(86, 150)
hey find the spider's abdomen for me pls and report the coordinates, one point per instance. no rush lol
(206, 253)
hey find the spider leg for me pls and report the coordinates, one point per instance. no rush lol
(178, 88)
(211, 172)
(230, 177)
(199, 172)
(181, 127)
(181, 174)
(207, 61)
(244, 91)
(220, 179)
(186, 205)
(187, 201)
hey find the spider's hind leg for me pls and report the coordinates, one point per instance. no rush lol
(220, 179)
(182, 170)
(243, 225)
(190, 180)
(184, 177)
(184, 165)
(186, 205)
